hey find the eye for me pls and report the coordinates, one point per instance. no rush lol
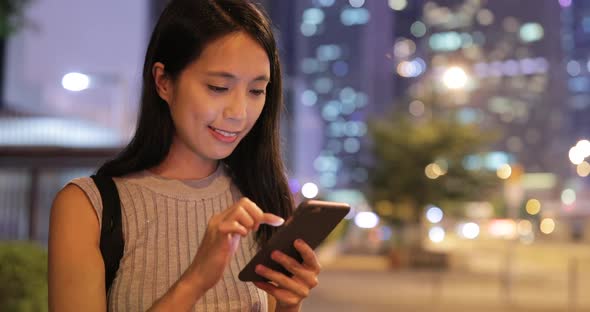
(257, 92)
(217, 89)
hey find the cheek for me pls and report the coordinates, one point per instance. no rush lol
(254, 113)
(195, 110)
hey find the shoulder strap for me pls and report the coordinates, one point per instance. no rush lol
(111, 232)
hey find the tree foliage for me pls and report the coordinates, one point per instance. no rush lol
(403, 147)
(23, 277)
(12, 16)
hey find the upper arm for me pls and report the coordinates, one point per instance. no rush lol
(76, 269)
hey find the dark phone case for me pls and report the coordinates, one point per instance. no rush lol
(312, 221)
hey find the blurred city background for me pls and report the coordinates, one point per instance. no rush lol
(457, 130)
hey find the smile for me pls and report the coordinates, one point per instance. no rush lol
(224, 136)
(225, 133)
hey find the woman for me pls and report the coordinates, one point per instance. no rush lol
(202, 184)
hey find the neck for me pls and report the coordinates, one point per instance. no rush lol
(182, 164)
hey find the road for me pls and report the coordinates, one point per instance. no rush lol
(347, 291)
(542, 278)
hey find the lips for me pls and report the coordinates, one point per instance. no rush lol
(223, 135)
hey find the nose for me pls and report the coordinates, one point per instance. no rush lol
(236, 108)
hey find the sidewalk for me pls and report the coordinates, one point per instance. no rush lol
(365, 283)
(347, 291)
(332, 258)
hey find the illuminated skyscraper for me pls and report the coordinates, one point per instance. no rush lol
(337, 74)
(575, 16)
(347, 60)
(505, 51)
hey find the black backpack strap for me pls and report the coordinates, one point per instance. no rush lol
(111, 231)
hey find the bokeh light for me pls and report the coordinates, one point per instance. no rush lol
(413, 68)
(470, 230)
(308, 30)
(573, 68)
(568, 196)
(583, 169)
(547, 226)
(397, 5)
(309, 98)
(356, 3)
(525, 227)
(354, 16)
(576, 156)
(366, 219)
(485, 17)
(436, 234)
(584, 147)
(328, 52)
(309, 190)
(416, 108)
(326, 3)
(313, 16)
(434, 214)
(446, 41)
(455, 78)
(530, 32)
(418, 29)
(404, 48)
(352, 145)
(505, 228)
(432, 171)
(504, 171)
(565, 3)
(533, 206)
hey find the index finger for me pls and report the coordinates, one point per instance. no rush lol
(309, 258)
(258, 215)
(271, 219)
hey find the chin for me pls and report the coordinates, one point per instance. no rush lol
(222, 154)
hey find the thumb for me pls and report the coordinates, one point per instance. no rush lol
(271, 219)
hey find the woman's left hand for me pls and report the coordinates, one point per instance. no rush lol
(290, 291)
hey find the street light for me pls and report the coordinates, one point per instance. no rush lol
(80, 81)
(455, 78)
(75, 82)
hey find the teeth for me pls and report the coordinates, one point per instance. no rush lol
(225, 133)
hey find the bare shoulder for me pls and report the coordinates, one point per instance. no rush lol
(76, 268)
(72, 206)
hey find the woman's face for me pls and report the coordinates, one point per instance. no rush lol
(217, 99)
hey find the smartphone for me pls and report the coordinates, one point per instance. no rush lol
(312, 221)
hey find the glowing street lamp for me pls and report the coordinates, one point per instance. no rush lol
(75, 81)
(80, 81)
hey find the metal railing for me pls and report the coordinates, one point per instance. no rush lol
(30, 176)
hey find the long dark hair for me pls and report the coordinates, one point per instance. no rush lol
(183, 30)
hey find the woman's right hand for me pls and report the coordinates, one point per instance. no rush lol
(222, 238)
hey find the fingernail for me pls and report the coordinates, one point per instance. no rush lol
(299, 241)
(259, 268)
(279, 222)
(276, 254)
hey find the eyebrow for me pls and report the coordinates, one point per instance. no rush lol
(222, 74)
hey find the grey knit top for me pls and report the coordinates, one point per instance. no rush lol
(164, 221)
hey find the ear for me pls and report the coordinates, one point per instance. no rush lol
(164, 85)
